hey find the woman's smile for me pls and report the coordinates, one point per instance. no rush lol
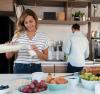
(30, 23)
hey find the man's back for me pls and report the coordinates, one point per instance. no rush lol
(79, 49)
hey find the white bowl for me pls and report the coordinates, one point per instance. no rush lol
(38, 76)
(89, 84)
(4, 91)
(73, 80)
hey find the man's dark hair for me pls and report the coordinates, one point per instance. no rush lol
(76, 26)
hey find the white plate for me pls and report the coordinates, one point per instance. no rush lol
(4, 91)
(10, 48)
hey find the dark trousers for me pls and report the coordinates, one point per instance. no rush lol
(27, 68)
(72, 69)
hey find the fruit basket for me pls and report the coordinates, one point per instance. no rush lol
(88, 80)
(56, 83)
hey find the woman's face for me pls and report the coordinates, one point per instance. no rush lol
(30, 23)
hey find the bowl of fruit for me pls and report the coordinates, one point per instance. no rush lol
(88, 80)
(34, 87)
(56, 83)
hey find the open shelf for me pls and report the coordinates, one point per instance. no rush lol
(95, 19)
(54, 3)
(62, 22)
(95, 38)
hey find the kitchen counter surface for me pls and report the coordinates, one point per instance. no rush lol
(9, 78)
(63, 63)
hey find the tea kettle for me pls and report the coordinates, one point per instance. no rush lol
(95, 34)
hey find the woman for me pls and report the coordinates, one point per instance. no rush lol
(27, 29)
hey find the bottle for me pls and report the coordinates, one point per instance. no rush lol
(57, 53)
(61, 52)
(50, 53)
(84, 18)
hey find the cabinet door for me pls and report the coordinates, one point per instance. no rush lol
(60, 69)
(54, 69)
(48, 69)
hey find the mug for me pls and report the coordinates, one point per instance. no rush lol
(38, 76)
(97, 88)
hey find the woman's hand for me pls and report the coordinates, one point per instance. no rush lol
(43, 55)
(33, 47)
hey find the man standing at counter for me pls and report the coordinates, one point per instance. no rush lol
(77, 49)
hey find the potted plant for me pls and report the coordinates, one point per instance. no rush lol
(77, 15)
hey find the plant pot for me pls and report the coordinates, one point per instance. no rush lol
(76, 18)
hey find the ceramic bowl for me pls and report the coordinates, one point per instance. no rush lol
(73, 80)
(38, 76)
(19, 92)
(89, 84)
(4, 91)
(57, 86)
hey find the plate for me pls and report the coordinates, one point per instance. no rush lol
(10, 48)
(20, 82)
(5, 89)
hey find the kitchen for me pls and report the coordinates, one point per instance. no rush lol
(54, 29)
(61, 30)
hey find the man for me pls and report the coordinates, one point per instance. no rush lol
(77, 49)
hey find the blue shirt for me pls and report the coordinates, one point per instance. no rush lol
(77, 49)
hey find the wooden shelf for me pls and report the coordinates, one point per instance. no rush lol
(47, 3)
(95, 1)
(7, 13)
(95, 19)
(95, 38)
(62, 22)
(54, 3)
(78, 3)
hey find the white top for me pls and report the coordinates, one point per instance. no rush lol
(77, 49)
(40, 40)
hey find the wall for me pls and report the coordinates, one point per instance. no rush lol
(62, 32)
(96, 25)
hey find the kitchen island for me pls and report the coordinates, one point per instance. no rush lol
(9, 79)
(61, 66)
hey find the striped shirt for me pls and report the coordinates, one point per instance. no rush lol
(23, 56)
